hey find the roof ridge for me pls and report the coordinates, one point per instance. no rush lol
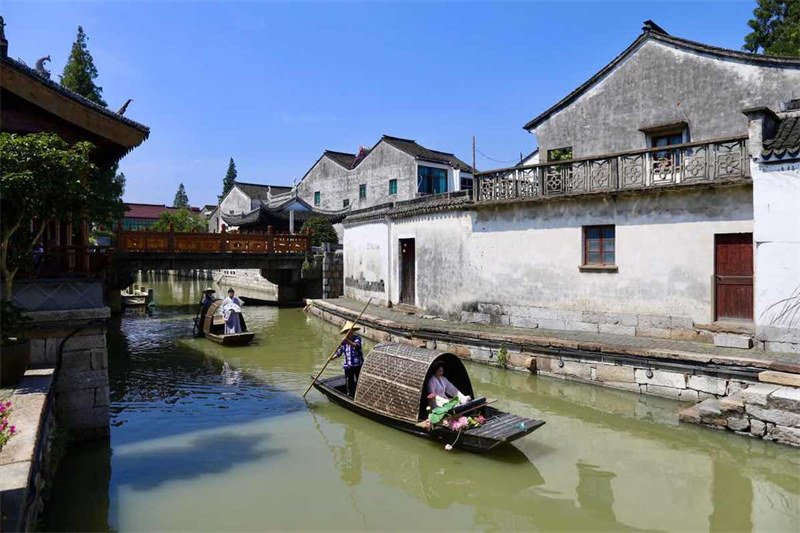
(338, 152)
(384, 136)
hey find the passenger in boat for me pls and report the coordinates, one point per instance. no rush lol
(231, 309)
(440, 390)
(353, 357)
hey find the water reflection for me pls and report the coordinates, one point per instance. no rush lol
(208, 437)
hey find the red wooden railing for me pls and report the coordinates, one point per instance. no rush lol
(179, 242)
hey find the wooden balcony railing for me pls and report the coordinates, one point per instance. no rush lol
(689, 163)
(58, 261)
(176, 242)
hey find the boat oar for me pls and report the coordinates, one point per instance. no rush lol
(330, 358)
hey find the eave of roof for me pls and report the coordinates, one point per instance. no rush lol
(32, 75)
(786, 141)
(669, 39)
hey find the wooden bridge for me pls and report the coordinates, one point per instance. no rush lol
(130, 243)
(279, 256)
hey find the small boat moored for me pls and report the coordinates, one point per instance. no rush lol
(391, 390)
(211, 325)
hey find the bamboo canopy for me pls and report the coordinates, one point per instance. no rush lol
(393, 378)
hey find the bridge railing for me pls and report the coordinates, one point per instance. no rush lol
(179, 242)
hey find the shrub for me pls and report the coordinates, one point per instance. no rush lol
(321, 230)
(502, 356)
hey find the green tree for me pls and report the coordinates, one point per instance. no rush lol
(80, 72)
(181, 200)
(182, 220)
(230, 179)
(776, 28)
(79, 75)
(43, 179)
(321, 230)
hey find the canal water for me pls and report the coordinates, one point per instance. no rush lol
(205, 437)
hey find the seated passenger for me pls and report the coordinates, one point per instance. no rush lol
(440, 390)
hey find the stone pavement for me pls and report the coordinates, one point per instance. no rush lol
(418, 325)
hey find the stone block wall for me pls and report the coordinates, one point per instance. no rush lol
(663, 327)
(332, 274)
(765, 410)
(81, 383)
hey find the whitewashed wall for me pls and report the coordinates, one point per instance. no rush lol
(776, 201)
(366, 262)
(235, 203)
(528, 255)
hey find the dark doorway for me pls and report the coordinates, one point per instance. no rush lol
(408, 274)
(733, 276)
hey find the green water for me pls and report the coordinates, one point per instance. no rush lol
(198, 444)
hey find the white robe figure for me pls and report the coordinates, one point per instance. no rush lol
(231, 309)
(444, 391)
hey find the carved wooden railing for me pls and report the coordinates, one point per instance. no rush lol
(689, 163)
(176, 242)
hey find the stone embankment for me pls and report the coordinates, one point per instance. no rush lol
(766, 410)
(26, 461)
(681, 370)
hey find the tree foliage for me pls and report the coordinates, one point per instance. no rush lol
(80, 72)
(43, 179)
(229, 180)
(181, 199)
(321, 230)
(776, 28)
(181, 220)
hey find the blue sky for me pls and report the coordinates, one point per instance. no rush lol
(273, 84)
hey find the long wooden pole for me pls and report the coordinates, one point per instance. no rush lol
(330, 357)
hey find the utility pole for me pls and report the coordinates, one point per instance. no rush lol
(473, 155)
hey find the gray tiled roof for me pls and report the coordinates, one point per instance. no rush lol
(341, 158)
(425, 154)
(259, 192)
(786, 139)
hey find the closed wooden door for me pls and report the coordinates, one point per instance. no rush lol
(408, 274)
(733, 275)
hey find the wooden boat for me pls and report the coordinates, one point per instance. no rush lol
(211, 325)
(391, 390)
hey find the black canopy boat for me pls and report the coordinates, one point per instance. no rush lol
(391, 390)
(211, 325)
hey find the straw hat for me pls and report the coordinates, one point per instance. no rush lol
(209, 289)
(347, 325)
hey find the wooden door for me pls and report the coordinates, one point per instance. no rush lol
(733, 275)
(408, 275)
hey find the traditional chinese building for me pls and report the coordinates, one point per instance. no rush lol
(637, 219)
(394, 169)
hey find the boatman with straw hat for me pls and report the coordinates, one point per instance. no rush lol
(353, 356)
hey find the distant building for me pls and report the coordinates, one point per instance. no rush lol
(243, 198)
(140, 217)
(394, 169)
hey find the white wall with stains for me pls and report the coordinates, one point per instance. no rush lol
(529, 255)
(776, 200)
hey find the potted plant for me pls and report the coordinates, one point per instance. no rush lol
(15, 349)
